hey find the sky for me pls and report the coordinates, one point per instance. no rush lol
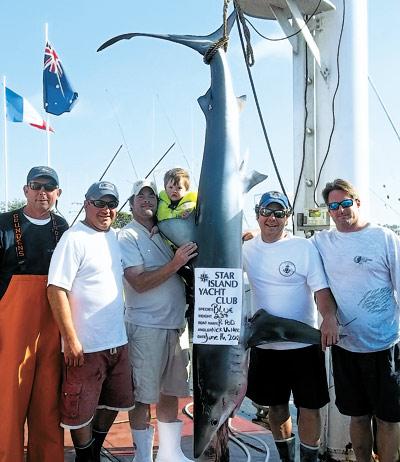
(143, 94)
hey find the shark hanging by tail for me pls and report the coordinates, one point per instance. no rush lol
(220, 371)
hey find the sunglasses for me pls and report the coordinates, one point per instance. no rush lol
(264, 212)
(36, 186)
(101, 204)
(346, 203)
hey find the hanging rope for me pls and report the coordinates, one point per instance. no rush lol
(223, 41)
(246, 31)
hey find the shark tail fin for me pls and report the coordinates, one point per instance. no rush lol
(267, 328)
(201, 44)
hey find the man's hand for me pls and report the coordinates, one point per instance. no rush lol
(142, 280)
(249, 234)
(73, 353)
(329, 331)
(327, 307)
(185, 253)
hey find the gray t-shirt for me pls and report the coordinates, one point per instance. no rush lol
(363, 273)
(163, 306)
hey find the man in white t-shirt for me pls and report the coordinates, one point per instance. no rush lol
(361, 261)
(284, 272)
(86, 296)
(155, 318)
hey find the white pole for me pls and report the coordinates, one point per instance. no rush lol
(46, 35)
(5, 145)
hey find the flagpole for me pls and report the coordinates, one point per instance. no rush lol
(5, 144)
(46, 36)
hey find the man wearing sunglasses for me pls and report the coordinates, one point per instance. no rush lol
(85, 294)
(284, 272)
(155, 318)
(362, 265)
(29, 338)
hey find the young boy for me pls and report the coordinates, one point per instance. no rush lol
(176, 201)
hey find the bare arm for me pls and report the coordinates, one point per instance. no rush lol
(327, 307)
(142, 280)
(73, 351)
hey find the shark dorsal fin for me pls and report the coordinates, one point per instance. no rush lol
(252, 179)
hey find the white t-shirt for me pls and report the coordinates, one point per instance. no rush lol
(283, 276)
(87, 263)
(364, 275)
(162, 306)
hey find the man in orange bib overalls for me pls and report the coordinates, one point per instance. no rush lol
(30, 359)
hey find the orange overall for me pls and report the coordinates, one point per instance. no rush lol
(30, 361)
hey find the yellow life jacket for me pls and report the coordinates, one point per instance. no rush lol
(186, 204)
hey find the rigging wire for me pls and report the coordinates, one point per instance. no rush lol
(304, 128)
(278, 39)
(259, 108)
(102, 176)
(150, 172)
(304, 135)
(384, 202)
(111, 101)
(176, 137)
(333, 105)
(384, 108)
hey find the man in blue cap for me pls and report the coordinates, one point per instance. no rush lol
(85, 293)
(30, 343)
(284, 272)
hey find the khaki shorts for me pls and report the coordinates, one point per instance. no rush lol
(159, 365)
(103, 382)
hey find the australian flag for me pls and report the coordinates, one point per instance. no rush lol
(58, 95)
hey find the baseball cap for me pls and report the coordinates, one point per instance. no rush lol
(101, 189)
(274, 196)
(140, 184)
(42, 172)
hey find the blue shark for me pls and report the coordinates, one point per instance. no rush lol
(220, 371)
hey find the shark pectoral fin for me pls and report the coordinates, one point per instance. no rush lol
(205, 101)
(178, 230)
(267, 328)
(252, 179)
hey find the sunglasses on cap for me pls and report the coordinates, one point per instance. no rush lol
(346, 203)
(265, 212)
(101, 204)
(36, 186)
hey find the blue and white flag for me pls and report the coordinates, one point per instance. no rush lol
(58, 95)
(19, 109)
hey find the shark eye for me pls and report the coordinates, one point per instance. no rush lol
(214, 422)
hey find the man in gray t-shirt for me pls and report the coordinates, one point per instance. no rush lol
(155, 308)
(361, 261)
